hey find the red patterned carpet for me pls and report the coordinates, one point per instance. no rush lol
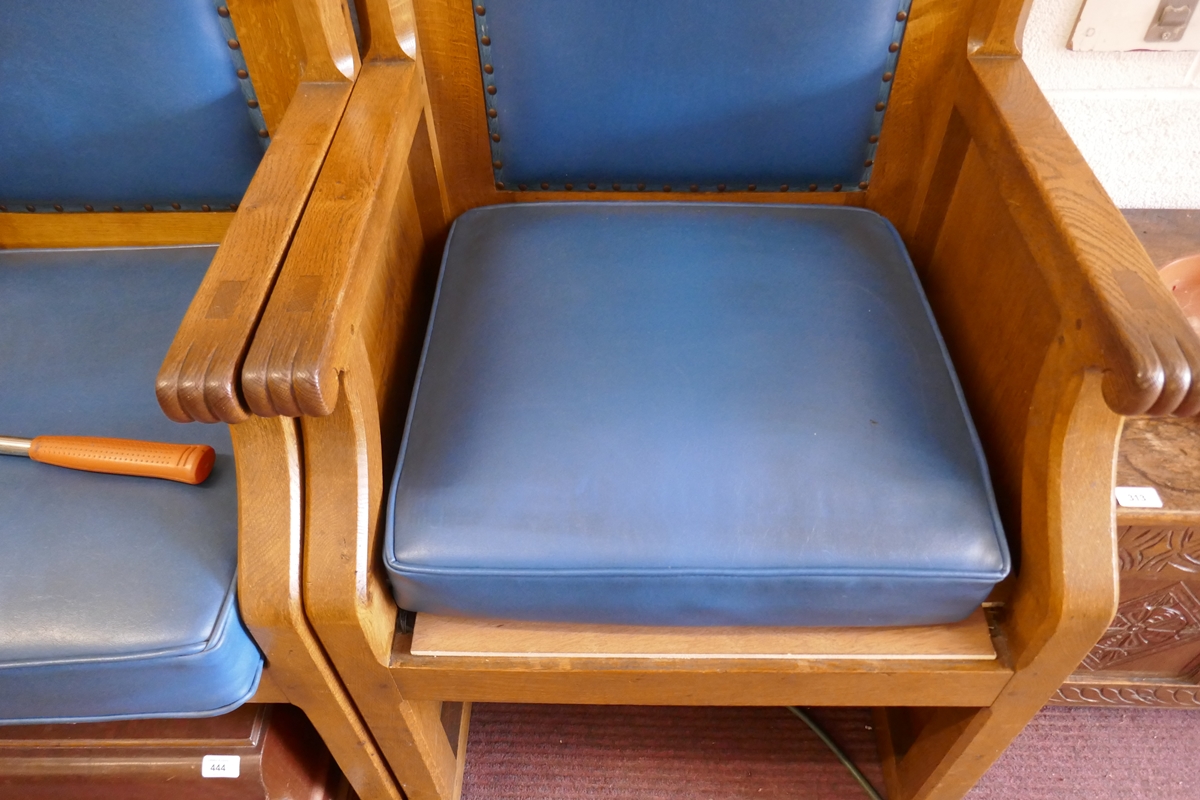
(527, 752)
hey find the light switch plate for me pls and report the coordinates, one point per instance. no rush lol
(1121, 25)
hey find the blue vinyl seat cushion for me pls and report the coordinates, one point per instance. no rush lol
(688, 414)
(117, 594)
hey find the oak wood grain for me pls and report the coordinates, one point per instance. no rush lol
(435, 635)
(270, 529)
(306, 329)
(1139, 337)
(112, 229)
(200, 376)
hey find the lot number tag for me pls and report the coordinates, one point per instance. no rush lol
(1138, 497)
(220, 766)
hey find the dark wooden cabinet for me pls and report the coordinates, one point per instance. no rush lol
(279, 755)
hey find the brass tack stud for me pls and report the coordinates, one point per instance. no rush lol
(480, 10)
(233, 44)
(30, 208)
(252, 103)
(488, 69)
(879, 106)
(616, 187)
(592, 186)
(492, 113)
(499, 184)
(57, 207)
(495, 137)
(486, 40)
(206, 208)
(812, 187)
(262, 133)
(873, 139)
(175, 206)
(641, 187)
(243, 74)
(694, 188)
(900, 17)
(862, 185)
(491, 90)
(569, 187)
(783, 187)
(752, 188)
(545, 186)
(522, 187)
(887, 76)
(498, 164)
(115, 208)
(223, 11)
(3, 209)
(88, 208)
(233, 206)
(148, 207)
(720, 187)
(893, 47)
(837, 187)
(869, 162)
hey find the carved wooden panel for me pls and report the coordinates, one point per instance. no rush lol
(1154, 549)
(1135, 696)
(1149, 624)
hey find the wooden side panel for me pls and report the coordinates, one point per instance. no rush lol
(933, 54)
(274, 52)
(446, 33)
(998, 320)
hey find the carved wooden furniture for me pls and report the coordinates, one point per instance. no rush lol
(126, 131)
(1049, 307)
(1150, 655)
(279, 755)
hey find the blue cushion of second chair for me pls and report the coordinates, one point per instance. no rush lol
(688, 414)
(117, 594)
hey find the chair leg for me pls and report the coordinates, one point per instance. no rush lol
(356, 622)
(269, 550)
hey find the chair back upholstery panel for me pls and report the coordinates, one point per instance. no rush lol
(140, 104)
(708, 94)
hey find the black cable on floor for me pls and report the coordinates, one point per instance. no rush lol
(837, 751)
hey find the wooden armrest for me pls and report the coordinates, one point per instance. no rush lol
(301, 344)
(198, 380)
(1091, 260)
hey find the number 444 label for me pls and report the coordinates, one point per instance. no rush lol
(220, 766)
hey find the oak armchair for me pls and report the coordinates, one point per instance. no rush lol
(1050, 312)
(135, 141)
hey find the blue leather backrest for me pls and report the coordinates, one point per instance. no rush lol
(710, 93)
(129, 103)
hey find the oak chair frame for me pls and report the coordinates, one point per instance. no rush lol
(1053, 314)
(303, 59)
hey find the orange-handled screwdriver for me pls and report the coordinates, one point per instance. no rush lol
(186, 463)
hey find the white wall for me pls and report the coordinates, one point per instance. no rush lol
(1135, 116)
